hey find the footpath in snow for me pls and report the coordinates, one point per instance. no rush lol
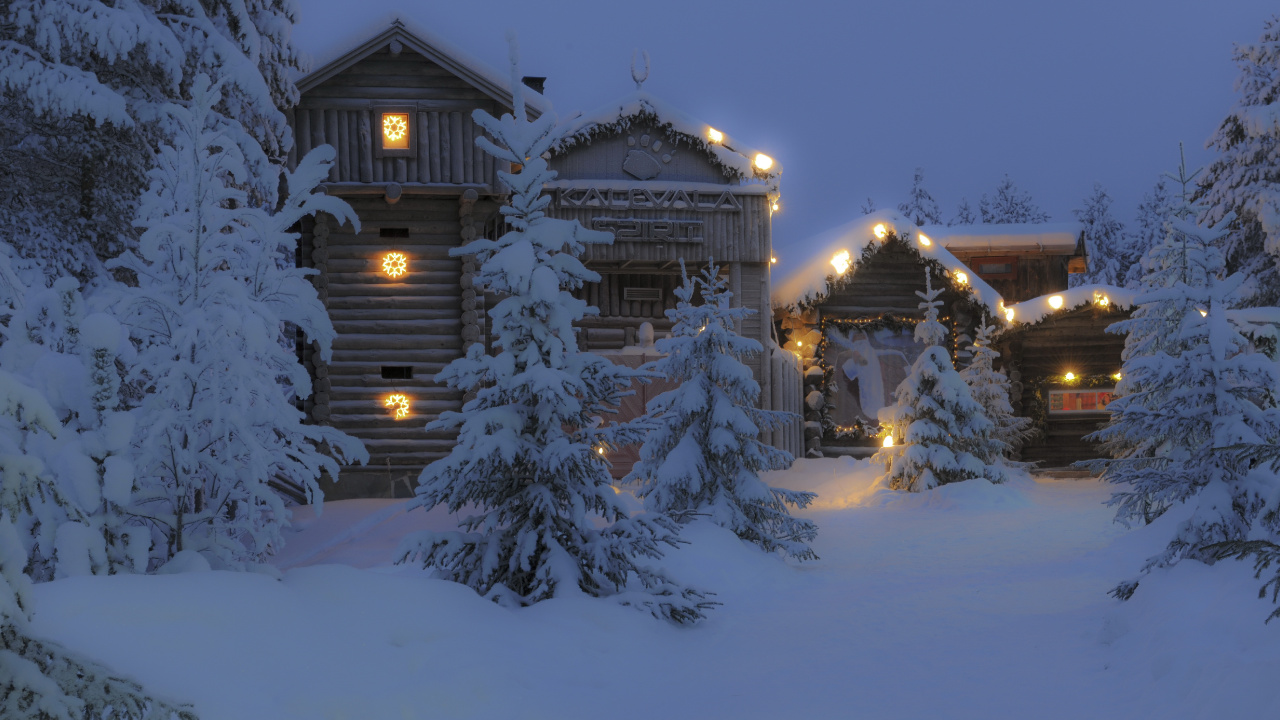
(969, 601)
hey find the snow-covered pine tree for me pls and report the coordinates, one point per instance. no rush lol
(1104, 239)
(990, 389)
(83, 83)
(1154, 212)
(703, 455)
(1243, 182)
(216, 293)
(1193, 388)
(920, 207)
(527, 453)
(940, 432)
(1010, 204)
(964, 214)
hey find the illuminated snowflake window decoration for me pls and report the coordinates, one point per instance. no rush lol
(395, 127)
(399, 404)
(395, 264)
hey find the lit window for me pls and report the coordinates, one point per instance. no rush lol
(395, 131)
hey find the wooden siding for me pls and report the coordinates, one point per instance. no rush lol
(344, 111)
(413, 321)
(886, 283)
(1037, 275)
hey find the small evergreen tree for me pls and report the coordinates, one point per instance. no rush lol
(990, 389)
(1154, 212)
(868, 206)
(703, 455)
(921, 208)
(1104, 241)
(943, 435)
(215, 308)
(964, 214)
(1010, 204)
(527, 453)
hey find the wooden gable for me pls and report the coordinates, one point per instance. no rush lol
(643, 152)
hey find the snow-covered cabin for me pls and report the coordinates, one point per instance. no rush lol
(671, 188)
(396, 106)
(849, 311)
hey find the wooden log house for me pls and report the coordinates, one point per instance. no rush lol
(397, 109)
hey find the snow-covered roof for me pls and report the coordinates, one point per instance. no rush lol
(1030, 312)
(816, 271)
(333, 59)
(740, 162)
(1058, 238)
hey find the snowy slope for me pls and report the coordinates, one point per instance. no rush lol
(970, 601)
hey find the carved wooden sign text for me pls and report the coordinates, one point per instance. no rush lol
(646, 199)
(645, 230)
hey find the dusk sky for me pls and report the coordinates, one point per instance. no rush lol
(851, 97)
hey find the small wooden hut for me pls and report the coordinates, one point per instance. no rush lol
(1020, 260)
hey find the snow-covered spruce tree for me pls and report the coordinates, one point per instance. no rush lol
(964, 214)
(1104, 239)
(920, 207)
(1193, 390)
(82, 84)
(1010, 204)
(526, 457)
(77, 525)
(703, 455)
(1154, 212)
(216, 292)
(940, 431)
(1243, 182)
(990, 389)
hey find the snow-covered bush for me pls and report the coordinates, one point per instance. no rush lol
(527, 455)
(940, 433)
(703, 455)
(990, 389)
(216, 293)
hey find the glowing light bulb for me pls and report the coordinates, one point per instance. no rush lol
(880, 230)
(962, 278)
(1203, 313)
(799, 344)
(1008, 314)
(1055, 301)
(1069, 376)
(774, 207)
(1118, 376)
(399, 404)
(395, 264)
(1101, 300)
(773, 260)
(764, 162)
(715, 135)
(924, 240)
(600, 451)
(841, 262)
(888, 441)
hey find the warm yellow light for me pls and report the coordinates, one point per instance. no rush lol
(1118, 376)
(395, 264)
(399, 404)
(888, 441)
(962, 278)
(799, 344)
(1203, 313)
(773, 260)
(1055, 301)
(924, 240)
(881, 231)
(715, 135)
(841, 262)
(395, 131)
(764, 162)
(1008, 314)
(1069, 376)
(1101, 300)
(774, 207)
(600, 451)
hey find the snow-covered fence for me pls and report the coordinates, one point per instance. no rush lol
(787, 393)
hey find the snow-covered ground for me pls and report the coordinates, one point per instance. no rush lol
(969, 601)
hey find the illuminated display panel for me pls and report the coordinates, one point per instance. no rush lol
(1080, 401)
(395, 131)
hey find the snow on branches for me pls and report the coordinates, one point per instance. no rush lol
(526, 457)
(703, 455)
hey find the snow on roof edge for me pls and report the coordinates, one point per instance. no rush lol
(1037, 309)
(1008, 236)
(811, 279)
(395, 20)
(639, 103)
